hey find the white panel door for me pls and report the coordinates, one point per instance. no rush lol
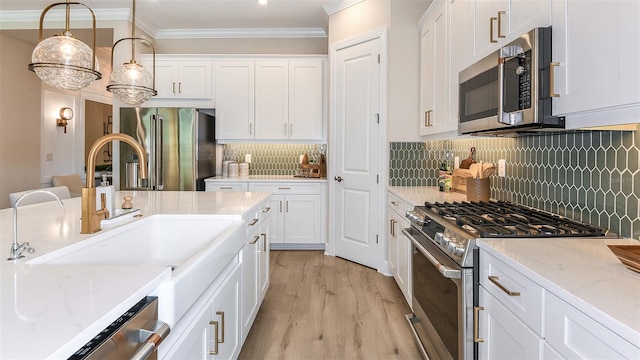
(306, 113)
(272, 100)
(276, 219)
(357, 99)
(194, 79)
(302, 220)
(166, 75)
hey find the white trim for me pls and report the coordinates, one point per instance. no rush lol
(244, 33)
(382, 34)
(77, 13)
(338, 6)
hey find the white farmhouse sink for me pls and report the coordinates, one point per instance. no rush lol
(196, 247)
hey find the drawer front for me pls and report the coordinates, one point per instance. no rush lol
(286, 188)
(573, 334)
(226, 186)
(398, 205)
(515, 291)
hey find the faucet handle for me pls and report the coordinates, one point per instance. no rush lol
(28, 247)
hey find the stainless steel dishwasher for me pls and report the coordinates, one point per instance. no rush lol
(134, 335)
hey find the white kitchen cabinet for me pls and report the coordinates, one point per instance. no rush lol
(182, 78)
(460, 53)
(503, 335)
(596, 48)
(399, 245)
(226, 186)
(272, 99)
(435, 71)
(255, 267)
(215, 331)
(498, 22)
(306, 100)
(234, 92)
(298, 216)
(573, 334)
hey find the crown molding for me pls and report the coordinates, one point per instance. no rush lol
(245, 33)
(27, 16)
(338, 6)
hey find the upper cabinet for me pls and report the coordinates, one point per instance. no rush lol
(435, 71)
(500, 21)
(182, 78)
(595, 53)
(270, 99)
(234, 87)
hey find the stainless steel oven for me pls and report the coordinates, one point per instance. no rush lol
(442, 301)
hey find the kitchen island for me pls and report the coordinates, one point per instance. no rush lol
(49, 311)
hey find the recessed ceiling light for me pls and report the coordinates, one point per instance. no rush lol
(263, 2)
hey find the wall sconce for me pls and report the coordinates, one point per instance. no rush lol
(66, 114)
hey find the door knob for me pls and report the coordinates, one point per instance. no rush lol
(338, 178)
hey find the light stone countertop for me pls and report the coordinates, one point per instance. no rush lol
(582, 272)
(417, 195)
(265, 178)
(50, 311)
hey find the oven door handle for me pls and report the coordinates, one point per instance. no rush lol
(445, 271)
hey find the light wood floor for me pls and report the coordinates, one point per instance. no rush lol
(323, 307)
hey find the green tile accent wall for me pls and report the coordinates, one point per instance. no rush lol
(272, 159)
(590, 176)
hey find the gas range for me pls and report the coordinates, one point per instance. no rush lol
(455, 226)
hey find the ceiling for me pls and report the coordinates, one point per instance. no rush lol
(194, 18)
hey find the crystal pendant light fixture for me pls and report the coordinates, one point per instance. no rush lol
(63, 61)
(132, 83)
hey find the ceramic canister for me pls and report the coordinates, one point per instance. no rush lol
(225, 167)
(233, 169)
(243, 169)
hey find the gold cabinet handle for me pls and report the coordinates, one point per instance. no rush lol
(393, 227)
(476, 313)
(284, 188)
(253, 222)
(264, 244)
(494, 279)
(500, 13)
(394, 203)
(173, 87)
(290, 129)
(491, 21)
(215, 338)
(266, 210)
(287, 205)
(280, 205)
(221, 314)
(250, 128)
(427, 118)
(255, 239)
(180, 87)
(552, 79)
(226, 188)
(285, 129)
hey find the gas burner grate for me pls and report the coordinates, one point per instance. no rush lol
(503, 219)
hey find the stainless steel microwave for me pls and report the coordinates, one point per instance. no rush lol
(508, 92)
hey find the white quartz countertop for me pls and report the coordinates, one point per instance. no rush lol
(51, 311)
(582, 272)
(266, 178)
(417, 195)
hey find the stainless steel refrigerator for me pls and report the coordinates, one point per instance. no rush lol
(180, 145)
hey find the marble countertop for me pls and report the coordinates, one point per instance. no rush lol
(50, 311)
(582, 272)
(417, 195)
(266, 178)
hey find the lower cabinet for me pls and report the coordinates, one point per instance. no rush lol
(399, 245)
(297, 214)
(215, 331)
(502, 335)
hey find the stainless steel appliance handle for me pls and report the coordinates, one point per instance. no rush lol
(153, 340)
(445, 271)
(501, 92)
(159, 154)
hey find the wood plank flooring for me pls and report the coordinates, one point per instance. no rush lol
(324, 307)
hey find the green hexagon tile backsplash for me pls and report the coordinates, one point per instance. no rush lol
(272, 159)
(590, 176)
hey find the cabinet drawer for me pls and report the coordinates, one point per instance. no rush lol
(515, 291)
(398, 205)
(286, 188)
(226, 186)
(573, 334)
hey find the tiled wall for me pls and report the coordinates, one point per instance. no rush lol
(591, 177)
(273, 159)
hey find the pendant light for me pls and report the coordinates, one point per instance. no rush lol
(132, 83)
(63, 61)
